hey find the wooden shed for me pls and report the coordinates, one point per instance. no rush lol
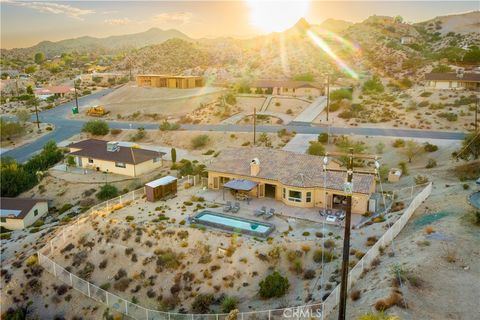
(162, 188)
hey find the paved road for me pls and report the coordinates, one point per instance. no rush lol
(65, 128)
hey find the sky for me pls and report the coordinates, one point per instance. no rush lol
(25, 23)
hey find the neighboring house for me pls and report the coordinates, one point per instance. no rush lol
(172, 82)
(19, 213)
(288, 88)
(58, 91)
(104, 156)
(295, 179)
(453, 80)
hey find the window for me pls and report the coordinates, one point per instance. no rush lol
(35, 212)
(295, 196)
(309, 196)
(120, 165)
(90, 160)
(3, 219)
(284, 193)
(156, 159)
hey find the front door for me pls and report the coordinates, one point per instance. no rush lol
(215, 183)
(79, 161)
(270, 190)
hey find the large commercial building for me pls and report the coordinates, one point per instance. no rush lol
(19, 213)
(172, 82)
(108, 156)
(295, 179)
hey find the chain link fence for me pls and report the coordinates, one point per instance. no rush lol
(116, 303)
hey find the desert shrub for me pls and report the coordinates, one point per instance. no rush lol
(355, 294)
(309, 274)
(199, 141)
(323, 137)
(426, 94)
(121, 273)
(5, 236)
(316, 148)
(31, 261)
(329, 244)
(450, 116)
(419, 179)
(169, 126)
(399, 143)
(431, 163)
(168, 259)
(373, 85)
(103, 264)
(122, 284)
(465, 186)
(129, 218)
(87, 271)
(469, 171)
(106, 192)
(96, 127)
(274, 285)
(202, 302)
(428, 229)
(229, 304)
(115, 131)
(371, 241)
(341, 94)
(327, 256)
(403, 166)
(430, 147)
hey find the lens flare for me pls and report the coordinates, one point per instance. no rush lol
(326, 48)
(332, 35)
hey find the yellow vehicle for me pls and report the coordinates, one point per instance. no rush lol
(97, 111)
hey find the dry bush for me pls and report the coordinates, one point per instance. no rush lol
(371, 241)
(306, 248)
(355, 294)
(122, 284)
(450, 254)
(329, 244)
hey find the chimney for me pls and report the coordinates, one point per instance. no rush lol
(460, 73)
(254, 167)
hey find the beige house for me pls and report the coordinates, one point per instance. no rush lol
(102, 78)
(19, 213)
(453, 81)
(295, 179)
(105, 156)
(167, 81)
(288, 88)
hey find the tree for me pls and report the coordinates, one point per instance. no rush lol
(96, 127)
(470, 147)
(173, 154)
(29, 89)
(411, 150)
(316, 149)
(442, 68)
(341, 94)
(323, 137)
(71, 161)
(274, 285)
(39, 57)
(30, 69)
(106, 192)
(22, 115)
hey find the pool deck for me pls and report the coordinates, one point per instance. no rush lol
(247, 209)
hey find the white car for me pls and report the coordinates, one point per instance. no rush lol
(331, 218)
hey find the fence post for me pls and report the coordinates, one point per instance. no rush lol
(71, 279)
(63, 234)
(54, 269)
(106, 296)
(146, 312)
(88, 289)
(126, 307)
(51, 246)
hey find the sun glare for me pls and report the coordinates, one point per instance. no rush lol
(275, 16)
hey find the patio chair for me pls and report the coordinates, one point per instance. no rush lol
(322, 212)
(227, 207)
(341, 216)
(236, 207)
(269, 214)
(261, 211)
(329, 212)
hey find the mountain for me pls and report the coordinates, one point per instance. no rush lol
(106, 45)
(462, 23)
(335, 25)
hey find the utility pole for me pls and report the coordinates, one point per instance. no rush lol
(254, 124)
(476, 114)
(35, 102)
(348, 189)
(328, 94)
(75, 111)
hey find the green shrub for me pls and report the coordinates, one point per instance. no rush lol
(399, 143)
(202, 302)
(5, 236)
(115, 131)
(323, 137)
(341, 94)
(419, 179)
(430, 147)
(450, 116)
(431, 164)
(229, 304)
(96, 127)
(199, 141)
(274, 285)
(316, 148)
(106, 192)
(169, 126)
(327, 256)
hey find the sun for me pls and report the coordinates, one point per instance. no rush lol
(274, 16)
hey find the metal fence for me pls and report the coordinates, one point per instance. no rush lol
(116, 303)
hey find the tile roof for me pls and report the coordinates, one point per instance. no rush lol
(452, 76)
(24, 205)
(97, 149)
(289, 168)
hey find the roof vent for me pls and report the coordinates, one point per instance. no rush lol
(113, 146)
(460, 73)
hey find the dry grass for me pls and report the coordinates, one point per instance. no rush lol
(355, 294)
(429, 230)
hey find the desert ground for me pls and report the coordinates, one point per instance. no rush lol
(31, 134)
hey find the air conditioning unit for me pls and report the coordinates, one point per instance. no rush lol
(113, 146)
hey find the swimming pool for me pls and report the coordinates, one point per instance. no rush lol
(475, 199)
(233, 224)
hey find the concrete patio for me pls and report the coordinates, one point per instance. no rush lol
(281, 210)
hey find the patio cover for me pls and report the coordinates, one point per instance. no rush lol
(242, 185)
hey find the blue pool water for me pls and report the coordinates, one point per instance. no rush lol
(231, 223)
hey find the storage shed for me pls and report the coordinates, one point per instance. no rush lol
(161, 188)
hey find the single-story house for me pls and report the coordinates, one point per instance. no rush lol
(169, 81)
(288, 88)
(109, 156)
(453, 80)
(101, 78)
(295, 179)
(407, 40)
(19, 213)
(58, 91)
